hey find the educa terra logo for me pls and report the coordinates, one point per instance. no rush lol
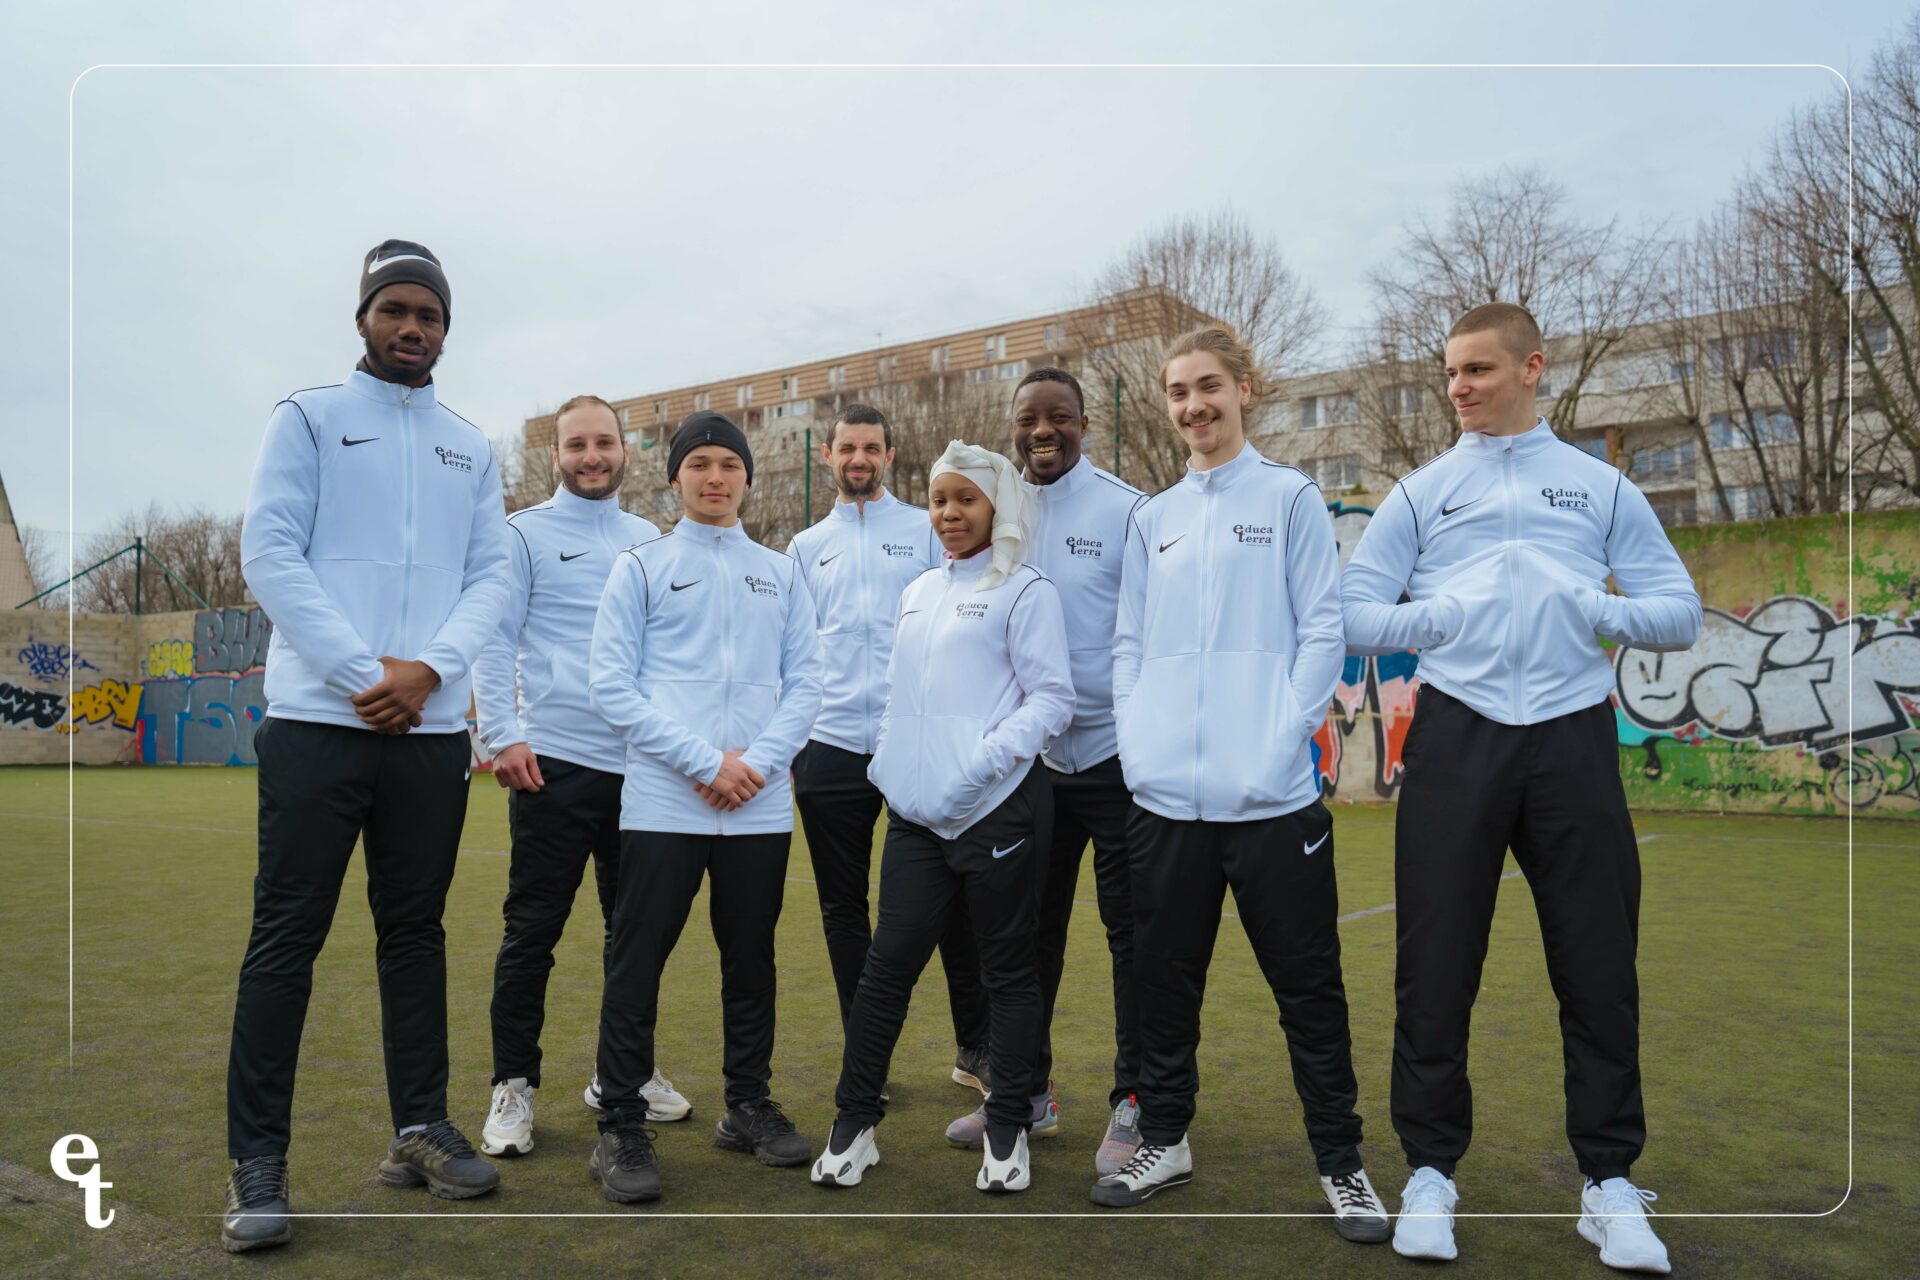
(458, 461)
(78, 1146)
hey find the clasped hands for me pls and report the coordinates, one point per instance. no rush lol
(393, 705)
(735, 784)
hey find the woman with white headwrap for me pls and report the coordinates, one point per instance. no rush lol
(976, 685)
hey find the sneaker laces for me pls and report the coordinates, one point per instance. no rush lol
(1144, 1158)
(259, 1181)
(1353, 1193)
(766, 1119)
(510, 1106)
(449, 1141)
(1426, 1196)
(1126, 1115)
(1628, 1201)
(658, 1083)
(632, 1141)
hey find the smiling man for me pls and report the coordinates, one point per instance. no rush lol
(705, 662)
(1500, 549)
(375, 540)
(562, 762)
(856, 562)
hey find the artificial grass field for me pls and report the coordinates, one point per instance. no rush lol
(1743, 965)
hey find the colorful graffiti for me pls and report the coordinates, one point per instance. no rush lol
(203, 720)
(47, 660)
(114, 702)
(39, 708)
(167, 658)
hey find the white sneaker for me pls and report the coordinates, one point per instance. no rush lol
(1425, 1226)
(1613, 1215)
(1010, 1172)
(664, 1102)
(1152, 1169)
(845, 1168)
(509, 1127)
(1358, 1214)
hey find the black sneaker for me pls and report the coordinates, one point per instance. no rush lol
(761, 1128)
(970, 1069)
(442, 1159)
(622, 1161)
(256, 1205)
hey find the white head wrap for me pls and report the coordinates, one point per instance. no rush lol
(1012, 508)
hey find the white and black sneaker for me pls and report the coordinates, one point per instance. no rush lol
(665, 1103)
(1613, 1215)
(1358, 1213)
(509, 1127)
(848, 1156)
(1153, 1168)
(1003, 1161)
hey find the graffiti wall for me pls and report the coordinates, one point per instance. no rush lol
(1791, 702)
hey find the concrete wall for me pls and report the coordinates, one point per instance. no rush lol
(1753, 719)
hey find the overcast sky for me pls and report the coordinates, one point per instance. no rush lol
(621, 230)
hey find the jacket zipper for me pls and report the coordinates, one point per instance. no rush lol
(865, 615)
(726, 660)
(1519, 614)
(407, 479)
(1200, 691)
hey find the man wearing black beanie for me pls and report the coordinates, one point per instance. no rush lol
(375, 539)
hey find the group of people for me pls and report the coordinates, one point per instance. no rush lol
(1042, 659)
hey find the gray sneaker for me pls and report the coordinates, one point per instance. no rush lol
(971, 1067)
(970, 1130)
(1122, 1140)
(622, 1161)
(256, 1205)
(442, 1159)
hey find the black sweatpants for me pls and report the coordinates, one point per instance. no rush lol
(660, 875)
(575, 813)
(838, 807)
(1281, 873)
(322, 787)
(1550, 791)
(1092, 804)
(996, 865)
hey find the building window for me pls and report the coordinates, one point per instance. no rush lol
(1746, 502)
(1056, 336)
(837, 378)
(1664, 464)
(997, 347)
(743, 395)
(1401, 400)
(1328, 411)
(801, 408)
(1770, 426)
(778, 410)
(977, 376)
(886, 368)
(1011, 369)
(1773, 349)
(1113, 326)
(1676, 510)
(625, 422)
(659, 410)
(1595, 445)
(939, 359)
(702, 400)
(1340, 472)
(1878, 335)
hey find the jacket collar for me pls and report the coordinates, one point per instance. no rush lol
(1226, 474)
(1478, 444)
(1074, 479)
(712, 535)
(565, 500)
(875, 506)
(969, 569)
(362, 383)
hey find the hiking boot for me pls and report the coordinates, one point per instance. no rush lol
(761, 1129)
(442, 1159)
(256, 1205)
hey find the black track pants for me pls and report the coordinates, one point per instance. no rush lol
(838, 807)
(1091, 805)
(1282, 876)
(997, 866)
(322, 787)
(1551, 792)
(660, 875)
(574, 815)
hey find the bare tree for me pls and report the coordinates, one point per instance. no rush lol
(46, 564)
(195, 551)
(1181, 275)
(1508, 237)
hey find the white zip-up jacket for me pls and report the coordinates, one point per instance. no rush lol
(559, 557)
(977, 684)
(1504, 544)
(1228, 644)
(374, 528)
(856, 563)
(1079, 534)
(704, 645)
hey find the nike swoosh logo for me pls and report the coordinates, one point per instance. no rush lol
(1316, 844)
(351, 443)
(1165, 545)
(682, 586)
(1447, 511)
(564, 557)
(1001, 853)
(835, 556)
(398, 257)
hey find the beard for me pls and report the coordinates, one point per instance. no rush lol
(389, 373)
(862, 490)
(578, 490)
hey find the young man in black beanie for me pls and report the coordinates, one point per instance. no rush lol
(375, 539)
(706, 663)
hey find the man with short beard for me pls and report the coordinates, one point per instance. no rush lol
(857, 561)
(562, 763)
(374, 539)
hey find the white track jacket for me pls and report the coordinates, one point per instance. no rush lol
(1504, 544)
(1077, 544)
(1228, 643)
(856, 564)
(977, 684)
(705, 644)
(559, 555)
(374, 528)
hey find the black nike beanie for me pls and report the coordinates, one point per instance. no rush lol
(402, 262)
(707, 427)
